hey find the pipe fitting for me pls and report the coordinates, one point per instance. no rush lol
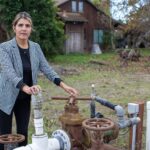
(59, 141)
(122, 122)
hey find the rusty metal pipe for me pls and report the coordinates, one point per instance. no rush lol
(67, 98)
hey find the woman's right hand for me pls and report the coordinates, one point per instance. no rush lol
(35, 89)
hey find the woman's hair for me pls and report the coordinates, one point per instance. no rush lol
(21, 15)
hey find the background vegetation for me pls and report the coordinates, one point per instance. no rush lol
(48, 32)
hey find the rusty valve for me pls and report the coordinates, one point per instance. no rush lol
(11, 138)
(98, 124)
(96, 127)
(10, 141)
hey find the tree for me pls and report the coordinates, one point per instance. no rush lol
(140, 18)
(103, 5)
(48, 30)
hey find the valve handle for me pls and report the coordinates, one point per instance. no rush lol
(11, 138)
(98, 124)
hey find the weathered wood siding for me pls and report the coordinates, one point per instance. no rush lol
(75, 38)
(96, 20)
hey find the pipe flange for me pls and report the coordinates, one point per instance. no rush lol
(63, 139)
(11, 138)
(98, 124)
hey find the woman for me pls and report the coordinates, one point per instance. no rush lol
(20, 62)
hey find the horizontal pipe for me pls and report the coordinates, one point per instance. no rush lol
(67, 98)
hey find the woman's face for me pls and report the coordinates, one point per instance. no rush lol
(23, 29)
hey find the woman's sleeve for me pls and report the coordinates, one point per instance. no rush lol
(45, 67)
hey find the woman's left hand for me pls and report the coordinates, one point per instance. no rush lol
(68, 89)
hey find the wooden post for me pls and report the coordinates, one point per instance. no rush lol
(139, 129)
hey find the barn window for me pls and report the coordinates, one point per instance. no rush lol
(81, 7)
(74, 6)
(98, 36)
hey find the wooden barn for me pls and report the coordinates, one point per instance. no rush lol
(85, 25)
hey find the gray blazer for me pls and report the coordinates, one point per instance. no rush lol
(11, 71)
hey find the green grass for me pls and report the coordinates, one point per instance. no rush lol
(145, 52)
(77, 59)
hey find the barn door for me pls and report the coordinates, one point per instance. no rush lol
(98, 36)
(74, 42)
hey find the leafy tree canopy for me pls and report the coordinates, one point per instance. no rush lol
(48, 32)
(139, 17)
(103, 5)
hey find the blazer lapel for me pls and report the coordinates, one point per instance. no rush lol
(32, 58)
(17, 56)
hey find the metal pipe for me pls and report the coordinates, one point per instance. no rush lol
(122, 122)
(67, 98)
(92, 109)
(105, 102)
(92, 104)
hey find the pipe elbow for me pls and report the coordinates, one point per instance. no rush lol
(119, 110)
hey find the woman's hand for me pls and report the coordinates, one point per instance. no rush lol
(68, 89)
(27, 89)
(35, 89)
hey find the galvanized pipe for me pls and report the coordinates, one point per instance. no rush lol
(104, 102)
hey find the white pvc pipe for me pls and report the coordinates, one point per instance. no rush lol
(38, 143)
(148, 127)
(53, 144)
(38, 123)
(133, 109)
(133, 137)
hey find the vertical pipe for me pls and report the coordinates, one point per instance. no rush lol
(92, 104)
(133, 137)
(37, 108)
(133, 110)
(148, 127)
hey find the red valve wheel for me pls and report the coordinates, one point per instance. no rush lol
(11, 138)
(98, 124)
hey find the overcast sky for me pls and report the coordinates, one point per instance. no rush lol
(119, 12)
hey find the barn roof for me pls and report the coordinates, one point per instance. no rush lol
(59, 2)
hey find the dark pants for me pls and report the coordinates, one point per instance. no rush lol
(21, 111)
